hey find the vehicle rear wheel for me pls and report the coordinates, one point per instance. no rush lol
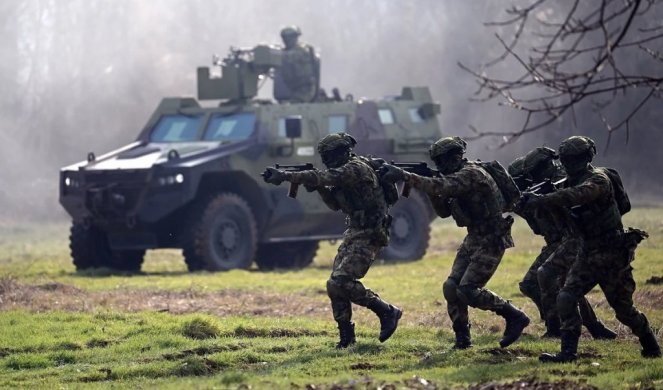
(222, 236)
(286, 255)
(90, 249)
(410, 230)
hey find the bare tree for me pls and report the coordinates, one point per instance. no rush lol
(606, 52)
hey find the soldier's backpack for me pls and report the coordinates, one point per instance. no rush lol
(505, 183)
(623, 202)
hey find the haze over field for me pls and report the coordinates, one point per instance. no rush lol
(79, 76)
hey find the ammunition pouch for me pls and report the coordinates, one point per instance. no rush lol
(461, 218)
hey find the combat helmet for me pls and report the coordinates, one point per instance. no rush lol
(335, 149)
(577, 145)
(446, 145)
(290, 30)
(538, 156)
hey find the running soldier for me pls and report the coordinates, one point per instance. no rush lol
(546, 275)
(350, 184)
(466, 191)
(608, 250)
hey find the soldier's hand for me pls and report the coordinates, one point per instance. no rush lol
(391, 174)
(273, 176)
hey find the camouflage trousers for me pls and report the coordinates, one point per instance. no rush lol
(610, 268)
(546, 277)
(355, 256)
(475, 263)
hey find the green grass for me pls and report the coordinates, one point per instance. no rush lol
(63, 329)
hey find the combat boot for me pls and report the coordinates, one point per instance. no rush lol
(463, 338)
(552, 329)
(516, 321)
(569, 350)
(600, 332)
(650, 348)
(388, 315)
(346, 331)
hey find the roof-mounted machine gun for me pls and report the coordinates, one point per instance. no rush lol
(240, 71)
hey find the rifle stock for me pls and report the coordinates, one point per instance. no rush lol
(419, 168)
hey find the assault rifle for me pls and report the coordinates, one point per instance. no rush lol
(294, 187)
(418, 168)
(545, 187)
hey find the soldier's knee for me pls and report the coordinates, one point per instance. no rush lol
(566, 301)
(468, 294)
(528, 289)
(449, 289)
(336, 286)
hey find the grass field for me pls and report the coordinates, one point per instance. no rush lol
(167, 328)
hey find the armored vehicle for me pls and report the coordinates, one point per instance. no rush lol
(191, 179)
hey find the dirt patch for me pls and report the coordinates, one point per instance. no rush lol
(655, 280)
(533, 385)
(362, 366)
(201, 351)
(648, 299)
(242, 331)
(58, 296)
(508, 352)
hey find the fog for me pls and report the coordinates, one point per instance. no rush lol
(79, 76)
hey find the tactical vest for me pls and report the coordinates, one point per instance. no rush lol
(481, 206)
(600, 216)
(364, 204)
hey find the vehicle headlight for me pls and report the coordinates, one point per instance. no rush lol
(72, 182)
(169, 180)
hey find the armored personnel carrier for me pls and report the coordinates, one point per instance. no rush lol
(191, 179)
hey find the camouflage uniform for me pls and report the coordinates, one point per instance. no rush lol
(470, 195)
(607, 250)
(604, 260)
(547, 273)
(298, 71)
(353, 188)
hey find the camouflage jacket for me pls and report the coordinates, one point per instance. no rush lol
(353, 188)
(591, 198)
(550, 222)
(298, 68)
(470, 195)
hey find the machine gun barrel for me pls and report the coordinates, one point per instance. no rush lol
(545, 187)
(418, 168)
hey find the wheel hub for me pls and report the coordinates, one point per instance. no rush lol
(228, 237)
(401, 227)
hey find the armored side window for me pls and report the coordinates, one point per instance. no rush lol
(386, 116)
(176, 128)
(337, 123)
(414, 115)
(230, 127)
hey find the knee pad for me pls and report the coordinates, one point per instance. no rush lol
(468, 294)
(545, 274)
(449, 289)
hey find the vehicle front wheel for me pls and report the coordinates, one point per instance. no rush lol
(222, 236)
(90, 249)
(410, 230)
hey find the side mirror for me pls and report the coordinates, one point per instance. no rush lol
(293, 127)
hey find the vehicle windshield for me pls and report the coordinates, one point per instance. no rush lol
(230, 127)
(186, 128)
(176, 128)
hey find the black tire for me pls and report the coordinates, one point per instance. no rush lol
(286, 255)
(90, 249)
(410, 230)
(222, 236)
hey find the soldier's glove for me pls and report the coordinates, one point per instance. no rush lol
(391, 174)
(274, 176)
